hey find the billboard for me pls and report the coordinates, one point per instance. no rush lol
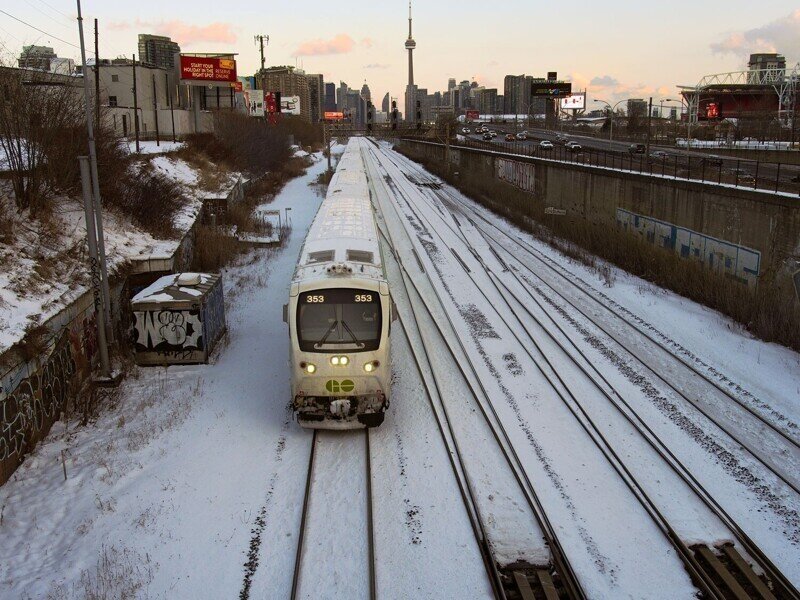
(254, 102)
(290, 105)
(574, 102)
(473, 114)
(541, 88)
(207, 69)
(272, 102)
(334, 116)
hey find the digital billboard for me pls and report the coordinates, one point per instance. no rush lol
(574, 102)
(334, 116)
(290, 105)
(541, 88)
(473, 114)
(208, 69)
(254, 101)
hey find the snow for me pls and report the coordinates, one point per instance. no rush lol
(150, 147)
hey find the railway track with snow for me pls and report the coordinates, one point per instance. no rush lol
(720, 574)
(337, 529)
(541, 578)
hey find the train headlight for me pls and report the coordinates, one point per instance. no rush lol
(308, 367)
(344, 360)
(339, 360)
(335, 360)
(371, 366)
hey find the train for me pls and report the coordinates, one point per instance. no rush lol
(340, 309)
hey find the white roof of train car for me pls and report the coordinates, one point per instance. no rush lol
(344, 229)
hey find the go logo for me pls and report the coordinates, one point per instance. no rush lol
(336, 387)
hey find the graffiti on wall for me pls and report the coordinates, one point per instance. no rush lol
(733, 260)
(519, 174)
(29, 408)
(168, 330)
(214, 314)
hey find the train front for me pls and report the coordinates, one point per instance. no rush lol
(339, 333)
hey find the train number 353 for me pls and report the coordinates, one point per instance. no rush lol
(363, 297)
(315, 299)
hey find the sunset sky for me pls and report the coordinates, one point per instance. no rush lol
(618, 49)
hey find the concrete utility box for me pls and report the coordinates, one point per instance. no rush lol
(178, 319)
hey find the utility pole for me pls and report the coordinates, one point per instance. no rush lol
(95, 226)
(325, 141)
(96, 77)
(135, 107)
(171, 103)
(260, 38)
(155, 109)
(649, 119)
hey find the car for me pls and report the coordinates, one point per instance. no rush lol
(510, 137)
(636, 149)
(659, 155)
(487, 136)
(465, 130)
(522, 135)
(744, 177)
(545, 145)
(574, 147)
(493, 133)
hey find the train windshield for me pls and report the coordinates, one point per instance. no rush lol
(339, 319)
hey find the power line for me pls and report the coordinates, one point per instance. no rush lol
(53, 19)
(39, 30)
(68, 17)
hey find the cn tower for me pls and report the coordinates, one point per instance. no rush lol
(410, 88)
(410, 45)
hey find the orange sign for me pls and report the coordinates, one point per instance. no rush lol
(334, 116)
(237, 86)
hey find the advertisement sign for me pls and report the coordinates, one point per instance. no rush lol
(237, 86)
(574, 102)
(541, 88)
(272, 102)
(290, 105)
(473, 114)
(203, 68)
(254, 102)
(334, 116)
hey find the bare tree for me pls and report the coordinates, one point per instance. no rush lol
(35, 108)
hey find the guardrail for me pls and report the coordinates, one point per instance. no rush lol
(738, 173)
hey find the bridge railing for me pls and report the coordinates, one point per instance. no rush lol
(737, 173)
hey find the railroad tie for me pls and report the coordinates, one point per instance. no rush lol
(523, 586)
(547, 584)
(747, 572)
(719, 569)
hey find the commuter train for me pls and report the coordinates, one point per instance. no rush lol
(340, 311)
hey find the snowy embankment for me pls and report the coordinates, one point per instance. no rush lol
(44, 267)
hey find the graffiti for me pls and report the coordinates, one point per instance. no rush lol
(27, 412)
(521, 175)
(739, 262)
(169, 330)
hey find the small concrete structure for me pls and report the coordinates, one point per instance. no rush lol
(178, 319)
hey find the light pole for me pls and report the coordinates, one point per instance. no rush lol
(611, 116)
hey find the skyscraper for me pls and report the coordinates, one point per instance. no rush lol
(316, 98)
(158, 50)
(385, 105)
(330, 96)
(410, 88)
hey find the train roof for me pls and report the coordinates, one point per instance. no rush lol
(343, 235)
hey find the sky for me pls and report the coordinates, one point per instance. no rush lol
(617, 49)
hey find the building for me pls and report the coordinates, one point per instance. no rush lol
(316, 92)
(766, 68)
(330, 97)
(411, 90)
(289, 81)
(637, 108)
(386, 104)
(365, 93)
(158, 50)
(36, 57)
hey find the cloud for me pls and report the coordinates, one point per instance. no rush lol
(604, 81)
(781, 35)
(340, 44)
(376, 66)
(186, 34)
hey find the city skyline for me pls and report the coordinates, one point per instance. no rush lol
(640, 56)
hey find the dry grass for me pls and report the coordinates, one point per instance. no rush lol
(769, 311)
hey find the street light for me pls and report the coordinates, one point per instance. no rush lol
(611, 116)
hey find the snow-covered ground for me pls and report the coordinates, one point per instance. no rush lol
(190, 483)
(151, 147)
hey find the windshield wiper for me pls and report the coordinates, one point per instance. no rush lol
(325, 337)
(352, 335)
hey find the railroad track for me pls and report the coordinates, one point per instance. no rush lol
(565, 582)
(302, 563)
(720, 574)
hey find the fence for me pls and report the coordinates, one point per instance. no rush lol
(738, 173)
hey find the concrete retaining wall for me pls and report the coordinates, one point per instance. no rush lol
(750, 235)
